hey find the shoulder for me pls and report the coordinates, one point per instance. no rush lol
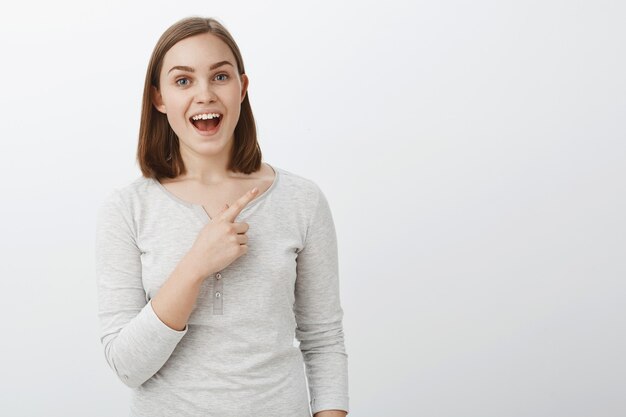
(305, 197)
(121, 208)
(128, 195)
(298, 187)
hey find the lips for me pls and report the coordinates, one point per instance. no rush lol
(207, 127)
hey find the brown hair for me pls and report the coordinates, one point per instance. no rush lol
(158, 152)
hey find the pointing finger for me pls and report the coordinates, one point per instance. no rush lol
(223, 209)
(233, 211)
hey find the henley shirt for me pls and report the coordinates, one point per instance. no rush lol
(265, 337)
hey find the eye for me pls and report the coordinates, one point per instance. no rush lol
(224, 74)
(181, 79)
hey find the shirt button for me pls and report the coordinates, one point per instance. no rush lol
(218, 295)
(218, 275)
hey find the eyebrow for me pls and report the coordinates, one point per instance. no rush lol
(190, 69)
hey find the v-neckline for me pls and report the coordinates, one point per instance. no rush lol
(199, 209)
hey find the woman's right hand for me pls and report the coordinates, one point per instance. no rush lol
(222, 240)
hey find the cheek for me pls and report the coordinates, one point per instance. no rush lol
(171, 97)
(175, 107)
(176, 118)
(235, 101)
(173, 119)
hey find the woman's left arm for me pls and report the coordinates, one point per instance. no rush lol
(319, 315)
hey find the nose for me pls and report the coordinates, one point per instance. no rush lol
(205, 93)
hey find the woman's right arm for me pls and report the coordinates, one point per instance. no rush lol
(138, 337)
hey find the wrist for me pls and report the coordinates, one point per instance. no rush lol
(191, 263)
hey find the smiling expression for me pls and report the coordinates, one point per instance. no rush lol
(200, 75)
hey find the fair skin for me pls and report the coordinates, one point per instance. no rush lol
(192, 87)
(184, 92)
(223, 194)
(331, 413)
(188, 85)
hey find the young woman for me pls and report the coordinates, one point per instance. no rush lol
(210, 262)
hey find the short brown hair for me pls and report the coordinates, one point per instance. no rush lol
(158, 152)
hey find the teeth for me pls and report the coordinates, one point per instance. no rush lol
(205, 116)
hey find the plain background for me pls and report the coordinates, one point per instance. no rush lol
(472, 153)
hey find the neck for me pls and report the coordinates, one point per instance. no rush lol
(207, 169)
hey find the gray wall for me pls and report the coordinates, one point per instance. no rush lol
(472, 153)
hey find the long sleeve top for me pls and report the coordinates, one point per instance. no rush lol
(265, 337)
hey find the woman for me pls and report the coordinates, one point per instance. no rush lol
(211, 261)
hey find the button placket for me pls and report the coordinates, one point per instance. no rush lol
(218, 289)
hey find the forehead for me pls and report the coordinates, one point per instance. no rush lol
(199, 52)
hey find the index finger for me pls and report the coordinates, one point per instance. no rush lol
(233, 211)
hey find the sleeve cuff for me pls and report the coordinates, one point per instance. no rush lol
(329, 403)
(160, 327)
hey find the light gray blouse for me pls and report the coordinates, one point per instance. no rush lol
(237, 355)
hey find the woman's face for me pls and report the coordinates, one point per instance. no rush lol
(192, 82)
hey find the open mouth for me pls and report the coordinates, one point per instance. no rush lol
(207, 126)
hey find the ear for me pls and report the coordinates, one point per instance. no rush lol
(157, 100)
(244, 86)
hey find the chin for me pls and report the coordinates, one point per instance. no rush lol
(210, 146)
